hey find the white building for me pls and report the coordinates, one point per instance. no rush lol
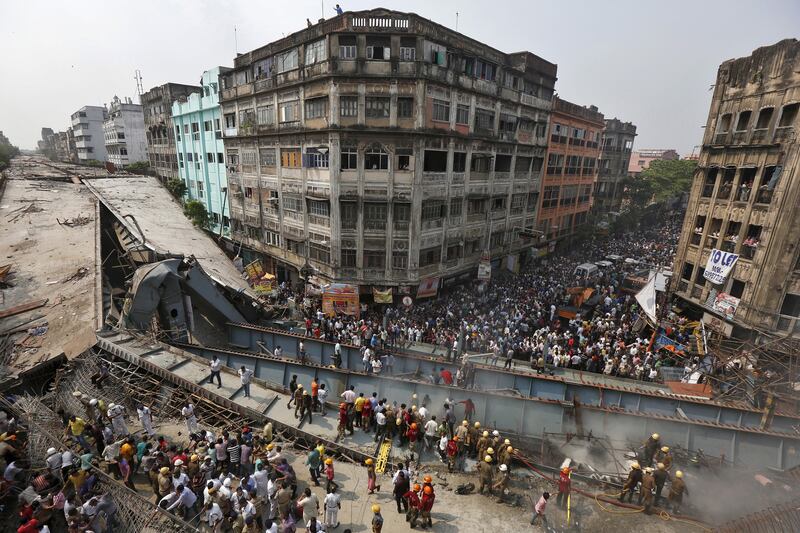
(125, 138)
(87, 126)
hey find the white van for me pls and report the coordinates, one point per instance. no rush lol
(586, 270)
(604, 264)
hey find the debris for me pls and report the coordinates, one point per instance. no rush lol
(38, 331)
(35, 304)
(74, 222)
(467, 488)
(79, 274)
(4, 272)
(30, 208)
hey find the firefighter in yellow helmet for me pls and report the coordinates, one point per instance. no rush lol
(634, 478)
(485, 471)
(482, 444)
(651, 446)
(676, 490)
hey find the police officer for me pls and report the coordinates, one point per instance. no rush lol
(646, 494)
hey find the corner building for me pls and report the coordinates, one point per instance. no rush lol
(615, 157)
(383, 148)
(159, 130)
(745, 197)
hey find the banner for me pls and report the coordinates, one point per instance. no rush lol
(254, 271)
(512, 263)
(428, 287)
(340, 298)
(719, 266)
(662, 341)
(484, 269)
(725, 304)
(646, 298)
(382, 296)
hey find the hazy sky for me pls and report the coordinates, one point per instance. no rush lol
(648, 62)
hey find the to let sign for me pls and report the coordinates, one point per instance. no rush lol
(719, 266)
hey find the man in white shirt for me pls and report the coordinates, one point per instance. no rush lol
(380, 421)
(146, 418)
(430, 432)
(191, 420)
(332, 504)
(184, 502)
(376, 366)
(245, 375)
(213, 515)
(423, 412)
(278, 352)
(54, 463)
(216, 368)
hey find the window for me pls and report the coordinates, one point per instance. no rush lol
(687, 271)
(376, 159)
(123, 151)
(764, 118)
(791, 305)
(498, 203)
(319, 207)
(319, 252)
(402, 214)
(266, 157)
(375, 215)
(462, 114)
(374, 259)
(550, 197)
(400, 260)
(190, 157)
(476, 206)
(569, 194)
(480, 162)
(178, 133)
(347, 47)
(405, 107)
(508, 123)
(377, 107)
(316, 108)
(408, 49)
(378, 48)
(230, 122)
(435, 53)
(247, 117)
(737, 288)
(289, 112)
(441, 110)
(456, 207)
(502, 163)
(348, 258)
(287, 61)
(290, 203)
(216, 124)
(316, 52)
(248, 192)
(220, 157)
(263, 68)
(207, 126)
(313, 158)
(430, 256)
(744, 120)
(290, 158)
(725, 123)
(433, 210)
(348, 106)
(484, 120)
(265, 115)
(788, 115)
(349, 158)
(272, 238)
(210, 157)
(200, 191)
(435, 161)
(349, 214)
(459, 161)
(404, 158)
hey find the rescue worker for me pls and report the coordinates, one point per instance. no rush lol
(482, 444)
(665, 456)
(426, 505)
(564, 486)
(472, 438)
(634, 478)
(676, 490)
(427, 481)
(496, 440)
(117, 415)
(377, 519)
(412, 497)
(646, 494)
(485, 474)
(490, 454)
(452, 453)
(502, 483)
(461, 432)
(661, 476)
(651, 446)
(504, 457)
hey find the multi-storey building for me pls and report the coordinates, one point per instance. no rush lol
(87, 127)
(123, 130)
(571, 169)
(744, 199)
(200, 157)
(383, 148)
(157, 108)
(615, 155)
(640, 160)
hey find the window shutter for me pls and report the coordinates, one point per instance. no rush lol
(386, 52)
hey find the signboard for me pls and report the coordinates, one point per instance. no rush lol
(725, 304)
(717, 324)
(407, 301)
(484, 269)
(719, 265)
(512, 263)
(340, 298)
(382, 296)
(254, 271)
(428, 287)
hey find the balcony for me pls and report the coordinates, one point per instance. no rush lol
(784, 134)
(401, 225)
(428, 269)
(319, 220)
(349, 224)
(432, 223)
(502, 176)
(231, 132)
(476, 217)
(456, 220)
(434, 176)
(478, 176)
(458, 177)
(375, 225)
(535, 101)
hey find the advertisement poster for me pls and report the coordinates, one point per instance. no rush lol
(340, 298)
(254, 271)
(428, 287)
(725, 304)
(382, 296)
(719, 265)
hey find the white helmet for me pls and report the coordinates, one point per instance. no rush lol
(179, 462)
(93, 402)
(112, 405)
(51, 451)
(503, 468)
(77, 394)
(496, 433)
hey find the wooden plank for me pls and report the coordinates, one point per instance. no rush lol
(22, 308)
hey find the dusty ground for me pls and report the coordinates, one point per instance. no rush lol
(455, 513)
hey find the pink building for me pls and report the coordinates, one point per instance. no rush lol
(641, 159)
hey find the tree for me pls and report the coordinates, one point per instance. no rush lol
(669, 179)
(139, 167)
(196, 212)
(177, 188)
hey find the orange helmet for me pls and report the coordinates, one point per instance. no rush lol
(416, 487)
(342, 405)
(455, 437)
(427, 479)
(428, 489)
(565, 470)
(413, 425)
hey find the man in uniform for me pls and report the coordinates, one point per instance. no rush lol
(665, 456)
(634, 478)
(426, 505)
(661, 476)
(502, 484)
(646, 494)
(377, 519)
(485, 474)
(452, 453)
(564, 486)
(414, 505)
(472, 438)
(651, 446)
(461, 432)
(676, 490)
(482, 444)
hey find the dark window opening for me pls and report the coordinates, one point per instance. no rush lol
(435, 161)
(764, 118)
(789, 115)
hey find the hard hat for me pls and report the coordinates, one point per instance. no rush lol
(194, 458)
(488, 458)
(455, 437)
(507, 442)
(485, 433)
(496, 433)
(661, 466)
(77, 394)
(565, 470)
(328, 461)
(416, 487)
(413, 407)
(503, 468)
(376, 508)
(413, 425)
(649, 470)
(93, 402)
(427, 479)
(164, 470)
(490, 451)
(112, 405)
(678, 474)
(368, 461)
(510, 449)
(665, 449)
(305, 393)
(342, 405)
(414, 396)
(428, 489)
(477, 425)
(654, 436)
(635, 465)
(398, 421)
(51, 451)
(465, 423)
(299, 386)
(179, 462)
(270, 446)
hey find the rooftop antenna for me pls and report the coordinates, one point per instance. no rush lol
(322, 6)
(137, 75)
(235, 42)
(456, 20)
